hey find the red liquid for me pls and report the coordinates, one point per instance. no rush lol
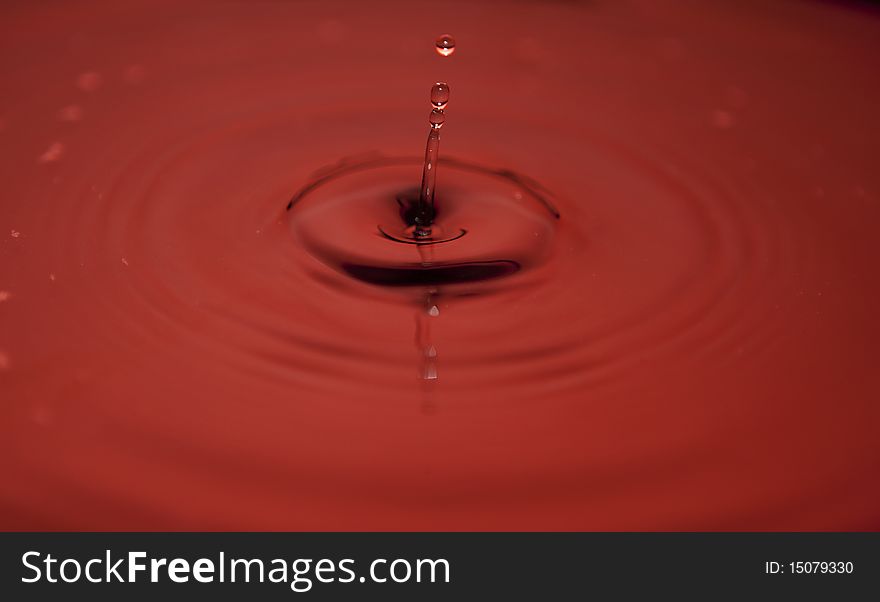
(697, 352)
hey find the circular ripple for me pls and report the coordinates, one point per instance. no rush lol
(643, 261)
(488, 223)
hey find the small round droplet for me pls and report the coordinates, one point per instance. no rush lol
(89, 82)
(53, 153)
(445, 45)
(440, 95)
(70, 113)
(437, 118)
(722, 120)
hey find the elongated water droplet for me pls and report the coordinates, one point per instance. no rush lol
(445, 45)
(440, 95)
(425, 209)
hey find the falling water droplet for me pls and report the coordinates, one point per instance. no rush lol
(440, 95)
(445, 45)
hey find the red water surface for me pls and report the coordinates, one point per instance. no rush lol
(692, 346)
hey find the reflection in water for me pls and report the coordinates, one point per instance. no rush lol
(691, 346)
